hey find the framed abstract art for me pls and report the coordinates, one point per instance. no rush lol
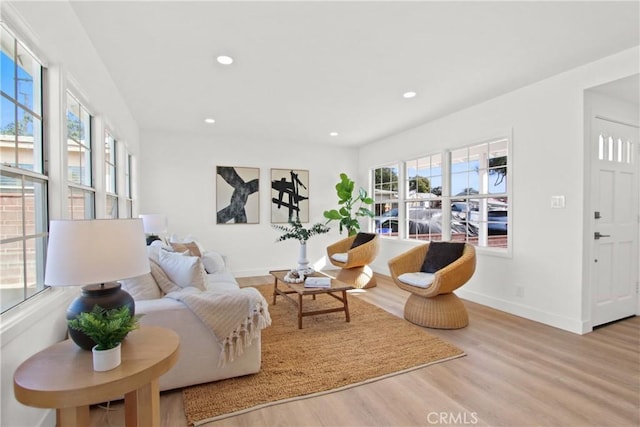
(289, 195)
(237, 195)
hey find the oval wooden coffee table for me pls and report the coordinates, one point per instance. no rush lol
(62, 377)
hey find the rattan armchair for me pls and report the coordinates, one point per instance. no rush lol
(355, 261)
(435, 306)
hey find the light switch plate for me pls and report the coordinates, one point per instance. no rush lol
(557, 202)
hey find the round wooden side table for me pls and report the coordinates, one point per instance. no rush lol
(62, 377)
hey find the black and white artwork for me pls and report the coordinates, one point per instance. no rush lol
(289, 195)
(237, 195)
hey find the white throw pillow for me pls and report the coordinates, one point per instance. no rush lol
(213, 262)
(183, 270)
(142, 287)
(153, 250)
(419, 279)
(340, 257)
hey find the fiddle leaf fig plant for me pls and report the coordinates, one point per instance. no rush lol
(351, 206)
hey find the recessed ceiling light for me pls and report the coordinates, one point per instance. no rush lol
(209, 120)
(409, 94)
(333, 134)
(224, 60)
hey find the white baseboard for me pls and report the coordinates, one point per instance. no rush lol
(576, 326)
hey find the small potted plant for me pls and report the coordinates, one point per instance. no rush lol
(107, 328)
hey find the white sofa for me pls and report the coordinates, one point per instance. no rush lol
(200, 350)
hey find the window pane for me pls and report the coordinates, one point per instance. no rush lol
(12, 277)
(459, 183)
(110, 162)
(29, 81)
(7, 65)
(29, 141)
(12, 206)
(498, 167)
(35, 249)
(35, 207)
(74, 163)
(112, 207)
(80, 204)
(385, 195)
(74, 124)
(8, 138)
(424, 220)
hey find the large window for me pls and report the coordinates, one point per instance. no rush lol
(423, 200)
(23, 180)
(110, 174)
(479, 193)
(385, 196)
(458, 195)
(79, 161)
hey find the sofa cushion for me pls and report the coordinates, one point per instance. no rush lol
(142, 287)
(441, 254)
(419, 279)
(213, 262)
(162, 279)
(183, 270)
(190, 247)
(153, 250)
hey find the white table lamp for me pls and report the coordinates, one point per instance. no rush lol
(94, 254)
(153, 224)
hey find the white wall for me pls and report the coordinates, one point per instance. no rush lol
(546, 122)
(178, 175)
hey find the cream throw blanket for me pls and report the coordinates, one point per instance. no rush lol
(235, 317)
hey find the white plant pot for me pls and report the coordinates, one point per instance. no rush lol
(105, 360)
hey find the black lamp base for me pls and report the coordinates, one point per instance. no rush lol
(108, 296)
(152, 238)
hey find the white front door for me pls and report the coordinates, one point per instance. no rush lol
(615, 217)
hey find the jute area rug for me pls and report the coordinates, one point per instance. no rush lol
(327, 355)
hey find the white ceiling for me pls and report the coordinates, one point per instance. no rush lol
(304, 69)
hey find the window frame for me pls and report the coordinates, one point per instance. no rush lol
(449, 216)
(84, 189)
(110, 174)
(32, 231)
(386, 221)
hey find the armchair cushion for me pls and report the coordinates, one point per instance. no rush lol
(441, 254)
(340, 257)
(419, 279)
(362, 238)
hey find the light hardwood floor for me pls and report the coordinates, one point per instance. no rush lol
(516, 373)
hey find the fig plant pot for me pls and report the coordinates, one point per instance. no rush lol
(105, 360)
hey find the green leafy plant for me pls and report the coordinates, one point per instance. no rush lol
(295, 230)
(106, 327)
(352, 206)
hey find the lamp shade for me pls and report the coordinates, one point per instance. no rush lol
(95, 251)
(154, 223)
